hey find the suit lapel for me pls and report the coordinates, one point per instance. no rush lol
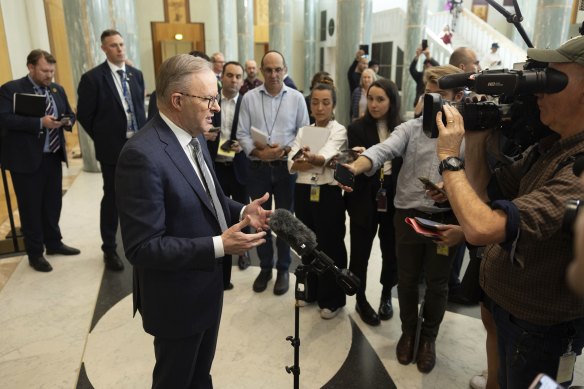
(177, 155)
(134, 87)
(108, 79)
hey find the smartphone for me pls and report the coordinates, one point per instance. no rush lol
(348, 156)
(297, 155)
(424, 44)
(430, 185)
(65, 118)
(344, 176)
(227, 145)
(428, 224)
(543, 381)
(214, 129)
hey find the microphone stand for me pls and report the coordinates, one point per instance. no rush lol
(301, 274)
(514, 19)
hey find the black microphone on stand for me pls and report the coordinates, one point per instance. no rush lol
(303, 241)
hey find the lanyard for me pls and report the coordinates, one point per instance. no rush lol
(275, 118)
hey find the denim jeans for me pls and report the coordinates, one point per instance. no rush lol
(527, 349)
(275, 179)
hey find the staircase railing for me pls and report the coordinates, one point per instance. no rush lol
(478, 35)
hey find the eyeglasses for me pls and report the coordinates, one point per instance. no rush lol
(211, 100)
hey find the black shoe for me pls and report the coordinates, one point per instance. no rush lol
(368, 315)
(385, 308)
(229, 286)
(63, 250)
(243, 262)
(113, 261)
(261, 282)
(282, 283)
(40, 264)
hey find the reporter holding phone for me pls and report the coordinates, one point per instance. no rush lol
(33, 149)
(319, 200)
(370, 205)
(417, 255)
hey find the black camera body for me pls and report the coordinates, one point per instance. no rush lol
(513, 109)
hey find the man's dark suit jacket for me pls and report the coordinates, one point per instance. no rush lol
(101, 112)
(167, 223)
(240, 161)
(23, 143)
(361, 204)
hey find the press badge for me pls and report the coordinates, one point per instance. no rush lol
(442, 249)
(566, 365)
(381, 199)
(314, 193)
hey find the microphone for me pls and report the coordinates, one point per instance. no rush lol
(578, 166)
(303, 241)
(457, 80)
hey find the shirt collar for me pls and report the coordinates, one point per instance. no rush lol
(114, 68)
(234, 99)
(35, 85)
(183, 137)
(263, 89)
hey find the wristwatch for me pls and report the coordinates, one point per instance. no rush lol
(451, 163)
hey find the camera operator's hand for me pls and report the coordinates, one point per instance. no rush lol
(450, 235)
(450, 136)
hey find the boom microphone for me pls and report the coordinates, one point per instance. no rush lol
(303, 241)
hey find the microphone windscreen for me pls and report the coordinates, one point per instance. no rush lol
(292, 231)
(457, 80)
(578, 166)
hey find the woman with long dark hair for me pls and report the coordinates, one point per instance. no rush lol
(370, 205)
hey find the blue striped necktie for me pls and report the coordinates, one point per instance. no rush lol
(52, 133)
(132, 123)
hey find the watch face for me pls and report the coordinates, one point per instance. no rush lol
(454, 162)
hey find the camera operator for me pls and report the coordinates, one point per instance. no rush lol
(539, 320)
(576, 269)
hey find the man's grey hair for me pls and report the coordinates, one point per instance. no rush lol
(174, 72)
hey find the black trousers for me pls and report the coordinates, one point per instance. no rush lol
(108, 217)
(39, 195)
(416, 253)
(238, 192)
(185, 362)
(327, 219)
(362, 241)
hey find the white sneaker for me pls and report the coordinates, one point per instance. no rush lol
(479, 381)
(327, 314)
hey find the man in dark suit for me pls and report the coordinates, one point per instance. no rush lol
(174, 219)
(111, 110)
(231, 165)
(33, 149)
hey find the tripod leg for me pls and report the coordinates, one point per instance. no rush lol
(418, 331)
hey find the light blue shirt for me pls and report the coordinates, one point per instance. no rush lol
(279, 117)
(420, 160)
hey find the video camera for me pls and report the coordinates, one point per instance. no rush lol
(513, 109)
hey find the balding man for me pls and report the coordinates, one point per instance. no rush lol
(252, 80)
(277, 112)
(174, 220)
(465, 59)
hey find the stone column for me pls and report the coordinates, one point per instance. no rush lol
(415, 24)
(245, 33)
(553, 23)
(309, 42)
(228, 29)
(281, 28)
(353, 29)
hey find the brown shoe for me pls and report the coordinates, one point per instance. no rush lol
(426, 355)
(405, 349)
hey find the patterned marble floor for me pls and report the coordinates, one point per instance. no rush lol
(73, 328)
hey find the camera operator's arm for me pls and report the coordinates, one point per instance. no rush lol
(481, 225)
(477, 168)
